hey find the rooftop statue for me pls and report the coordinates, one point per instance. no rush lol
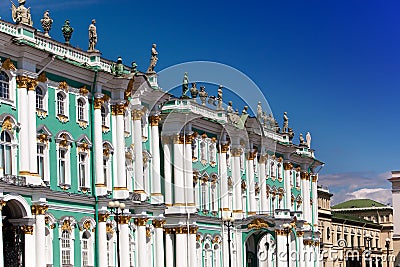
(301, 139)
(244, 111)
(285, 122)
(118, 69)
(153, 59)
(203, 95)
(21, 14)
(185, 85)
(134, 67)
(67, 31)
(308, 138)
(229, 109)
(92, 36)
(194, 91)
(259, 111)
(219, 98)
(46, 22)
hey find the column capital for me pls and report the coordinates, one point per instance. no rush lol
(39, 209)
(32, 84)
(193, 229)
(178, 139)
(181, 230)
(236, 152)
(224, 148)
(23, 81)
(314, 178)
(141, 221)
(308, 242)
(2, 204)
(305, 175)
(263, 159)
(169, 231)
(189, 139)
(287, 166)
(300, 233)
(28, 229)
(251, 155)
(124, 219)
(103, 217)
(98, 102)
(118, 109)
(137, 114)
(154, 120)
(158, 223)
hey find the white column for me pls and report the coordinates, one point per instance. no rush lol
(167, 170)
(39, 231)
(169, 247)
(98, 148)
(178, 172)
(23, 120)
(237, 182)
(189, 171)
(120, 185)
(263, 185)
(30, 255)
(251, 183)
(137, 132)
(225, 248)
(181, 247)
(159, 242)
(300, 249)
(156, 196)
(239, 260)
(305, 190)
(32, 128)
(314, 180)
(223, 172)
(287, 166)
(192, 246)
(102, 238)
(124, 240)
(281, 249)
(141, 237)
(2, 203)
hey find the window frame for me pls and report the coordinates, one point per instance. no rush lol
(64, 115)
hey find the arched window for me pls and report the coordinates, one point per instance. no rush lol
(62, 158)
(86, 249)
(66, 248)
(81, 110)
(48, 246)
(103, 116)
(60, 104)
(39, 98)
(4, 85)
(110, 250)
(5, 153)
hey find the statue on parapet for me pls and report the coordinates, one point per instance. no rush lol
(203, 95)
(308, 138)
(259, 112)
(219, 98)
(285, 123)
(194, 91)
(92, 36)
(185, 85)
(46, 22)
(153, 59)
(67, 31)
(21, 14)
(301, 140)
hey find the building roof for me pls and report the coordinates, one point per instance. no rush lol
(337, 216)
(358, 203)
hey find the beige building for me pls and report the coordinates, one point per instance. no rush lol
(395, 180)
(355, 233)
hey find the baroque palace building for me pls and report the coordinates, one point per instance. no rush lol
(200, 186)
(356, 233)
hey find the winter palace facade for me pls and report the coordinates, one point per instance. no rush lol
(200, 186)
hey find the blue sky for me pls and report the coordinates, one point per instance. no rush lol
(332, 65)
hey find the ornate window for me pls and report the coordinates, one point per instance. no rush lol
(6, 153)
(81, 110)
(4, 85)
(41, 160)
(83, 173)
(39, 98)
(107, 156)
(60, 104)
(110, 249)
(63, 141)
(62, 158)
(66, 247)
(105, 117)
(87, 248)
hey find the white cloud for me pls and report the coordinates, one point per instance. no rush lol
(351, 185)
(381, 195)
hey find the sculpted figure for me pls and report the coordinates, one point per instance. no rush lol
(21, 14)
(308, 138)
(153, 59)
(229, 109)
(219, 98)
(46, 22)
(301, 139)
(185, 85)
(203, 95)
(194, 91)
(259, 111)
(67, 31)
(285, 122)
(92, 36)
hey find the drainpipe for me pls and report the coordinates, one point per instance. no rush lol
(96, 199)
